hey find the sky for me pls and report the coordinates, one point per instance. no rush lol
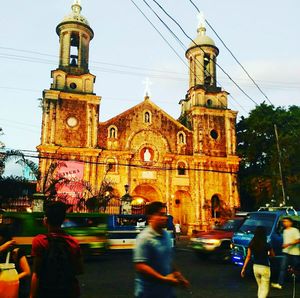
(126, 49)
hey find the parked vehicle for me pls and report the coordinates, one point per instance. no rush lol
(217, 241)
(270, 218)
(90, 229)
(124, 228)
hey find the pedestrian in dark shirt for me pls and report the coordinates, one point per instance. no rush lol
(260, 251)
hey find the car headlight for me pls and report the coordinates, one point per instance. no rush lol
(215, 242)
(194, 239)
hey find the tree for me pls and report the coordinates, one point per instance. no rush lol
(259, 177)
(98, 200)
(2, 155)
(15, 187)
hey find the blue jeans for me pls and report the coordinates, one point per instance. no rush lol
(287, 260)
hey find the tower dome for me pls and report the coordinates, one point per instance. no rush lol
(75, 35)
(202, 39)
(75, 15)
(202, 54)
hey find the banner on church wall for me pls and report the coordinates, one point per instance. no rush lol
(71, 187)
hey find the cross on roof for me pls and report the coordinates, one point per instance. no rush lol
(201, 19)
(147, 84)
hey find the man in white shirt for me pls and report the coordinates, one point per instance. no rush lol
(290, 249)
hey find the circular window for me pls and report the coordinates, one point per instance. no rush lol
(209, 102)
(73, 86)
(72, 121)
(214, 134)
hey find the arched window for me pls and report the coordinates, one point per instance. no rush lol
(147, 117)
(74, 49)
(181, 168)
(215, 206)
(181, 138)
(112, 132)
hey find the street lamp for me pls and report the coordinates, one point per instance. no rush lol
(126, 186)
(126, 200)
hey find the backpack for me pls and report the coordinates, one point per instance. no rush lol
(57, 273)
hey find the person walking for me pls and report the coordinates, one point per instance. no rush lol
(260, 251)
(56, 258)
(290, 249)
(17, 257)
(177, 230)
(155, 274)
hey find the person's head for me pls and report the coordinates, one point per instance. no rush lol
(287, 222)
(259, 240)
(5, 234)
(156, 214)
(260, 232)
(55, 213)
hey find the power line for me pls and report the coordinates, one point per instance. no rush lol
(95, 68)
(157, 31)
(97, 62)
(268, 84)
(60, 157)
(181, 43)
(174, 35)
(19, 123)
(234, 57)
(247, 73)
(222, 69)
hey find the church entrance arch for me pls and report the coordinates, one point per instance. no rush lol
(183, 210)
(142, 194)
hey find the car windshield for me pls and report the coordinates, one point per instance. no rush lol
(255, 220)
(231, 225)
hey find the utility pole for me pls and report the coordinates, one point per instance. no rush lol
(279, 165)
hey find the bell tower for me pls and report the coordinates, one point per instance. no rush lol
(204, 110)
(202, 54)
(75, 35)
(70, 107)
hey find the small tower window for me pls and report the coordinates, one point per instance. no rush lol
(147, 117)
(112, 132)
(207, 74)
(181, 138)
(181, 169)
(74, 49)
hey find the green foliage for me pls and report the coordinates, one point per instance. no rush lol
(2, 155)
(15, 187)
(99, 199)
(259, 174)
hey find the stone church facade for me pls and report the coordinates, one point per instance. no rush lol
(189, 163)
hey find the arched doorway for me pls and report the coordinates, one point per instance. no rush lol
(143, 194)
(183, 211)
(114, 203)
(215, 206)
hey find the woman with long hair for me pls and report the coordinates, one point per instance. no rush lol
(260, 251)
